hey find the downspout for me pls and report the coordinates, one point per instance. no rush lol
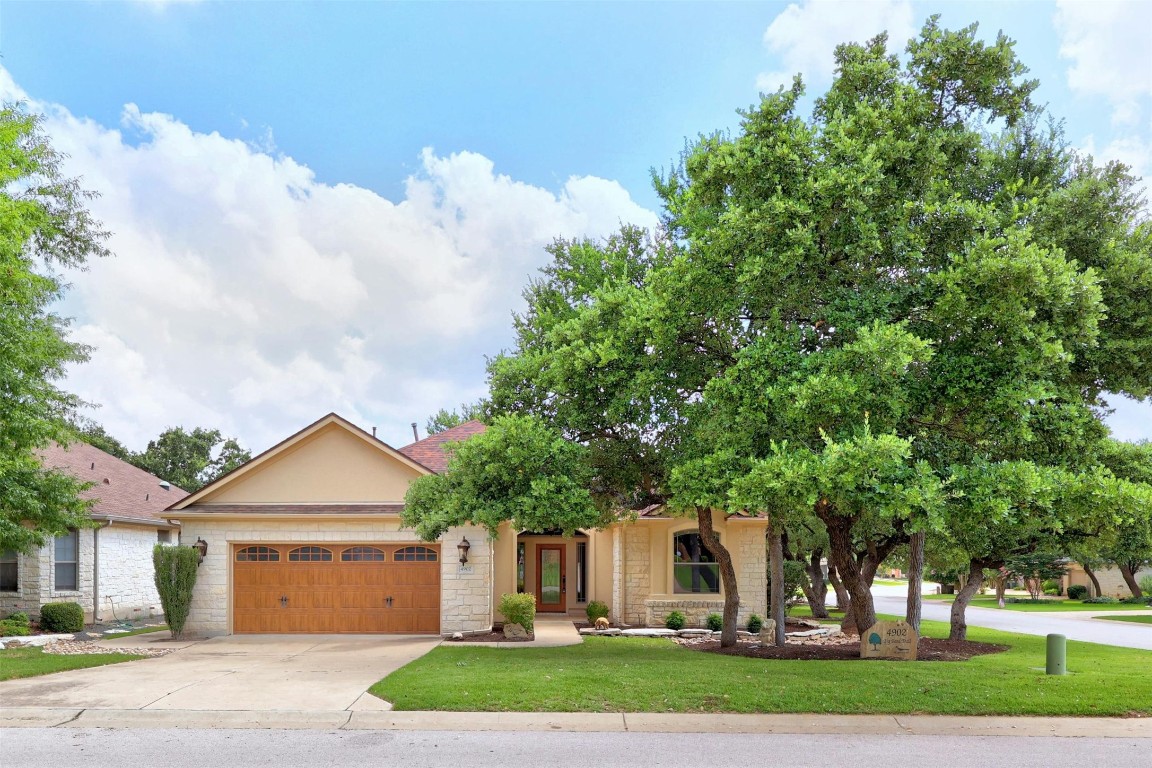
(96, 570)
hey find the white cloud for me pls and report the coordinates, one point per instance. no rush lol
(248, 296)
(1107, 44)
(805, 37)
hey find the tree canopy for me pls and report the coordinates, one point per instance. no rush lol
(44, 225)
(190, 460)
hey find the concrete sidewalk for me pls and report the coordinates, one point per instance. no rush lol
(876, 725)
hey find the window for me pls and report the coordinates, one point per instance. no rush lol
(309, 555)
(362, 555)
(68, 561)
(257, 554)
(415, 555)
(581, 572)
(694, 570)
(9, 571)
(520, 567)
(163, 537)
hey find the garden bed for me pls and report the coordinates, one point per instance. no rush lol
(842, 648)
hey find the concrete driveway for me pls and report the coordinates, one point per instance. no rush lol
(236, 673)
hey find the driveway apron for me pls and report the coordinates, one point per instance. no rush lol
(235, 673)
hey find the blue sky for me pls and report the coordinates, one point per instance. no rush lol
(334, 206)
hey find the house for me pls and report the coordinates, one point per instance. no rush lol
(306, 537)
(1112, 582)
(106, 569)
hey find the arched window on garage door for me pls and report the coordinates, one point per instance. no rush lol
(362, 555)
(257, 554)
(310, 555)
(415, 555)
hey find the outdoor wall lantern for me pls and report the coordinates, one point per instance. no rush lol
(464, 546)
(201, 547)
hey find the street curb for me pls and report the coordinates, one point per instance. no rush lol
(883, 725)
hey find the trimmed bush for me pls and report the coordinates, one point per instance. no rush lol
(519, 609)
(20, 618)
(1102, 600)
(755, 624)
(675, 620)
(1077, 592)
(1136, 600)
(1051, 587)
(175, 575)
(61, 617)
(714, 622)
(596, 610)
(1031, 601)
(1145, 583)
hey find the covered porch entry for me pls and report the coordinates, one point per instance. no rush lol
(562, 572)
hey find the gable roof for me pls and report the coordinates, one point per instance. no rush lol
(121, 490)
(287, 444)
(431, 451)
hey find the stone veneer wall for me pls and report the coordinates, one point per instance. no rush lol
(751, 568)
(1111, 580)
(127, 587)
(465, 594)
(637, 572)
(37, 574)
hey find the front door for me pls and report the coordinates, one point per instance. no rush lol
(551, 586)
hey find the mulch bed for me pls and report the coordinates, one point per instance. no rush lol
(492, 637)
(929, 649)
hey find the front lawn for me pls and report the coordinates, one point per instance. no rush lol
(138, 631)
(986, 601)
(1134, 619)
(643, 675)
(30, 662)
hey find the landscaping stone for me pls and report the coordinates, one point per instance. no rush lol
(694, 633)
(610, 632)
(81, 647)
(651, 632)
(810, 633)
(457, 635)
(515, 632)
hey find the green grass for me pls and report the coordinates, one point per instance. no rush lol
(642, 675)
(140, 631)
(890, 582)
(985, 601)
(1134, 619)
(30, 662)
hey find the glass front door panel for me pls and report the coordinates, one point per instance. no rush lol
(549, 576)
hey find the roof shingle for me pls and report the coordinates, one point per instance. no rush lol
(120, 489)
(431, 452)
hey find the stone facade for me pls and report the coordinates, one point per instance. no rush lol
(751, 561)
(695, 610)
(637, 573)
(1111, 580)
(465, 592)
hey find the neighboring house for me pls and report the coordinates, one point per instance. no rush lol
(106, 569)
(306, 537)
(1112, 582)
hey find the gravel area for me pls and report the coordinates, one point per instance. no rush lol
(81, 647)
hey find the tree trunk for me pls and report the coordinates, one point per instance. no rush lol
(817, 591)
(915, 579)
(843, 600)
(776, 600)
(959, 629)
(727, 575)
(863, 611)
(1129, 574)
(1096, 591)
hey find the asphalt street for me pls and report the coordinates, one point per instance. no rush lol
(79, 748)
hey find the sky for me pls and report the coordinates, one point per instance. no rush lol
(326, 207)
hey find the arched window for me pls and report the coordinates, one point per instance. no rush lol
(362, 555)
(694, 570)
(310, 555)
(257, 554)
(415, 555)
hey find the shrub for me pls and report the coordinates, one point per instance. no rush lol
(714, 622)
(596, 610)
(675, 620)
(9, 628)
(175, 576)
(1077, 592)
(1136, 600)
(519, 609)
(755, 624)
(61, 617)
(1146, 584)
(1052, 587)
(1103, 599)
(1030, 601)
(20, 618)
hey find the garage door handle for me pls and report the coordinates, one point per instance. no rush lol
(284, 601)
(388, 602)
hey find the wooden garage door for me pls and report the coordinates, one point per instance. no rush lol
(322, 588)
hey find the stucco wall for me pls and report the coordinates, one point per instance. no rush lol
(465, 591)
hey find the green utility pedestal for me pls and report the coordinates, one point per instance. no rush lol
(1057, 658)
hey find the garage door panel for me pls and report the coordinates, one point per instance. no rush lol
(308, 588)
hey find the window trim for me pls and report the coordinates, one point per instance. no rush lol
(57, 562)
(673, 563)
